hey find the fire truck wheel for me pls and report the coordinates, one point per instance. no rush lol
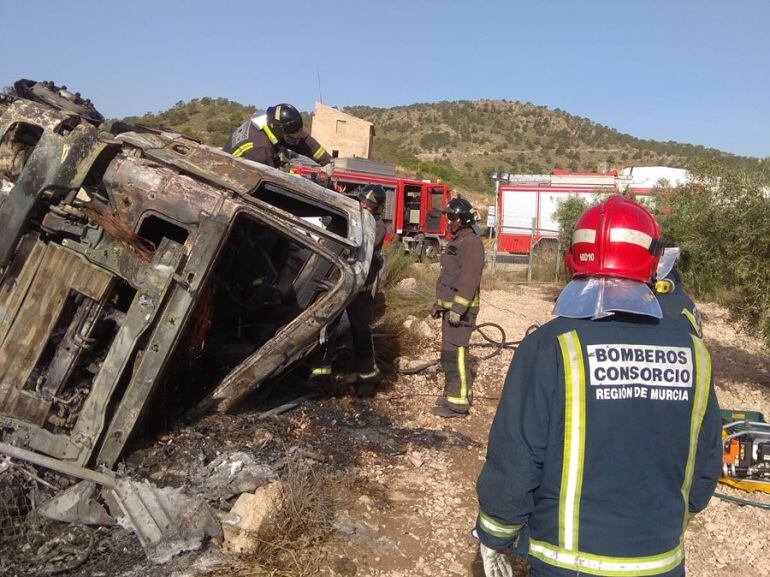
(430, 250)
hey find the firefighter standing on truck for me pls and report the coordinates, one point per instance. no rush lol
(360, 310)
(607, 437)
(457, 302)
(261, 138)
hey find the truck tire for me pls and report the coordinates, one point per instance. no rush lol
(430, 250)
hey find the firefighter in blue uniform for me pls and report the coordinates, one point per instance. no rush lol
(360, 311)
(674, 301)
(262, 138)
(607, 436)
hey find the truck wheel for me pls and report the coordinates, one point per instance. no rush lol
(430, 251)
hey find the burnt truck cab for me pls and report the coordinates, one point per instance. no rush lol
(136, 260)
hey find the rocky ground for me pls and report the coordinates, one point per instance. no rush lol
(403, 479)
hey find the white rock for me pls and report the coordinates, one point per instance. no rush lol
(406, 285)
(254, 512)
(423, 330)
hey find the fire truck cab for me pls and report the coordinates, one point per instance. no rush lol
(413, 208)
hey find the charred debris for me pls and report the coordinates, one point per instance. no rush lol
(134, 260)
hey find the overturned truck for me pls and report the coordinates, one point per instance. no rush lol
(134, 261)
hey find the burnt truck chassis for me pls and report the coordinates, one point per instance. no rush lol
(138, 264)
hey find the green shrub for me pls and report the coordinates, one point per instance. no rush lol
(721, 222)
(567, 212)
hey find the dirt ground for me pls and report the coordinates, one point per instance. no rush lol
(422, 526)
(405, 497)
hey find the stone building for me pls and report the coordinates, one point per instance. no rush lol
(343, 135)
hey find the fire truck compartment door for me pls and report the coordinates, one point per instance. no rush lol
(519, 208)
(548, 205)
(434, 202)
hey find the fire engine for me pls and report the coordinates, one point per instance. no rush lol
(413, 208)
(528, 201)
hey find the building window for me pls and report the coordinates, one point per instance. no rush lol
(341, 126)
(335, 153)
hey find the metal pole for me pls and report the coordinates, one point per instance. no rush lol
(531, 251)
(64, 467)
(496, 227)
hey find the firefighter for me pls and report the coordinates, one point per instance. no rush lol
(607, 436)
(457, 302)
(262, 137)
(674, 301)
(360, 310)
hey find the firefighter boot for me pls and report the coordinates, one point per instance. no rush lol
(442, 408)
(320, 377)
(367, 383)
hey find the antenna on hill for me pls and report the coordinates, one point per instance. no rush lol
(318, 72)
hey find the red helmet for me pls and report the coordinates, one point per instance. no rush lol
(618, 238)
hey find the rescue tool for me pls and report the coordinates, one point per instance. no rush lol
(746, 446)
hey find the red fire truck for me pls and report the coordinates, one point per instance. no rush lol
(529, 200)
(525, 199)
(412, 210)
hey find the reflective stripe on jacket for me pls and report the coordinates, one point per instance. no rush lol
(606, 439)
(255, 141)
(458, 283)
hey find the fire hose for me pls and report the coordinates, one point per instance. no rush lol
(498, 346)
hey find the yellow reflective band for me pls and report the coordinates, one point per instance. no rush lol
(462, 301)
(702, 384)
(444, 304)
(461, 368)
(456, 400)
(366, 288)
(321, 371)
(270, 134)
(574, 440)
(243, 148)
(693, 321)
(607, 566)
(319, 153)
(496, 528)
(374, 373)
(664, 286)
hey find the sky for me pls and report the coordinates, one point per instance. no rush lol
(694, 71)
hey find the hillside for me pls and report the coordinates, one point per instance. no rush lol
(210, 120)
(474, 138)
(463, 141)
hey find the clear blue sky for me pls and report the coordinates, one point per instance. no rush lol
(689, 70)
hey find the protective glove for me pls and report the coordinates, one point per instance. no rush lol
(454, 318)
(496, 564)
(437, 311)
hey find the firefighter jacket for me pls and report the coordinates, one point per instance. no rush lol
(254, 140)
(676, 303)
(458, 283)
(605, 442)
(377, 260)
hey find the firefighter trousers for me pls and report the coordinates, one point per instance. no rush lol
(458, 379)
(360, 314)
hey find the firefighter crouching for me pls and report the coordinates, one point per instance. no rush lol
(262, 137)
(457, 301)
(360, 310)
(607, 436)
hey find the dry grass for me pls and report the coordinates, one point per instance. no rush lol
(291, 545)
